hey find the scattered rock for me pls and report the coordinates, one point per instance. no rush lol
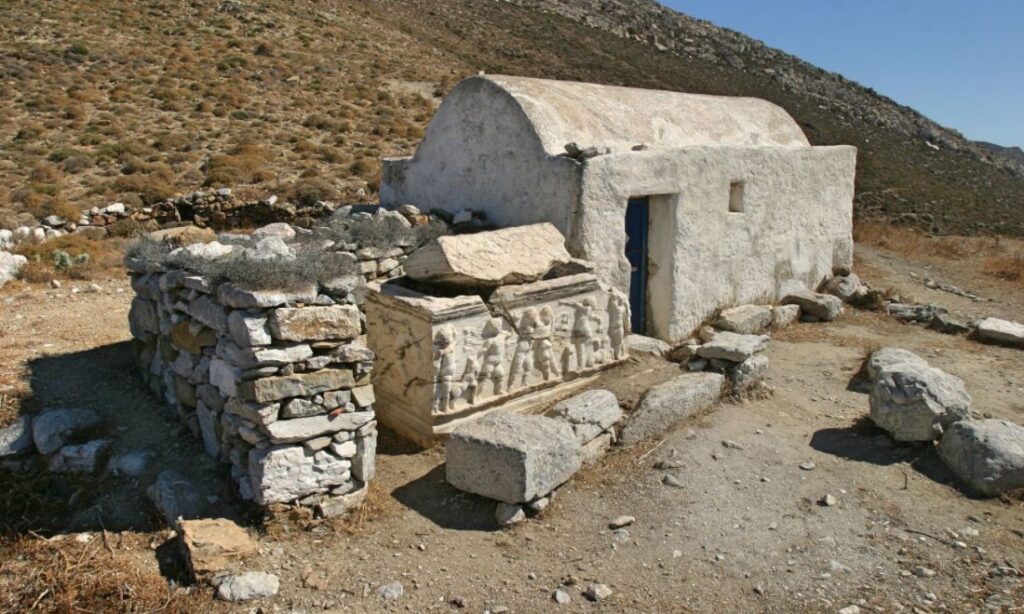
(914, 402)
(667, 403)
(508, 514)
(986, 454)
(733, 347)
(561, 597)
(212, 546)
(247, 586)
(53, 429)
(1003, 332)
(390, 592)
(846, 287)
(597, 592)
(621, 521)
(673, 481)
(784, 315)
(828, 501)
(82, 458)
(822, 306)
(640, 344)
(510, 457)
(16, 438)
(808, 466)
(176, 497)
(745, 319)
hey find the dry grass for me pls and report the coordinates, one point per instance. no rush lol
(1008, 266)
(106, 574)
(908, 241)
(88, 259)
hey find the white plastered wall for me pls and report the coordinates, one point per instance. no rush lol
(796, 224)
(482, 152)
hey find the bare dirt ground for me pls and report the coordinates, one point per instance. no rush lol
(745, 532)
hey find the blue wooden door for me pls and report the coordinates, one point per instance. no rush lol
(637, 216)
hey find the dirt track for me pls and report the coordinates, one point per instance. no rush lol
(744, 533)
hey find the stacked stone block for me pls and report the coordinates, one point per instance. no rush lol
(276, 383)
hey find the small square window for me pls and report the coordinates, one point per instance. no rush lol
(736, 197)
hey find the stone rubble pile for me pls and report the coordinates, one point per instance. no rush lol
(918, 403)
(274, 382)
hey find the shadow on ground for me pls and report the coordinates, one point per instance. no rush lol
(106, 380)
(436, 500)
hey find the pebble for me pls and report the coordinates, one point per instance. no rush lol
(597, 592)
(828, 500)
(732, 445)
(561, 597)
(808, 466)
(671, 480)
(850, 609)
(392, 591)
(621, 521)
(923, 572)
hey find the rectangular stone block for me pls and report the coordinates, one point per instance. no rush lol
(510, 457)
(301, 429)
(315, 323)
(297, 385)
(671, 401)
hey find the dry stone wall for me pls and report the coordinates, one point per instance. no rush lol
(276, 383)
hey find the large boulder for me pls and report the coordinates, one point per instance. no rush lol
(887, 357)
(915, 402)
(671, 401)
(52, 429)
(511, 457)
(514, 255)
(1003, 332)
(986, 454)
(821, 306)
(745, 319)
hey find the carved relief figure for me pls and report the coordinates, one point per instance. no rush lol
(582, 335)
(469, 380)
(493, 356)
(618, 325)
(522, 360)
(444, 357)
(543, 349)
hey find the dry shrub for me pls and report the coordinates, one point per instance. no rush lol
(94, 258)
(906, 240)
(306, 193)
(1008, 266)
(98, 576)
(150, 188)
(246, 163)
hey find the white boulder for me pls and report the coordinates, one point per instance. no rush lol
(986, 454)
(915, 402)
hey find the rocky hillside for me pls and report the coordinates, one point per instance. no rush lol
(115, 100)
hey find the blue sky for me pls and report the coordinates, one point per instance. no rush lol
(960, 62)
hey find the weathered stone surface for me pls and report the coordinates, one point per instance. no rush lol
(511, 457)
(52, 429)
(10, 266)
(515, 255)
(337, 505)
(263, 356)
(914, 402)
(887, 357)
(784, 315)
(822, 306)
(209, 429)
(131, 464)
(364, 464)
(280, 474)
(224, 376)
(277, 229)
(142, 318)
(248, 586)
(207, 311)
(213, 545)
(508, 514)
(297, 385)
(748, 374)
(248, 330)
(986, 454)
(301, 429)
(192, 339)
(16, 438)
(315, 323)
(176, 497)
(239, 298)
(733, 347)
(363, 396)
(589, 413)
(302, 408)
(259, 413)
(846, 287)
(745, 319)
(1004, 332)
(667, 403)
(82, 458)
(640, 344)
